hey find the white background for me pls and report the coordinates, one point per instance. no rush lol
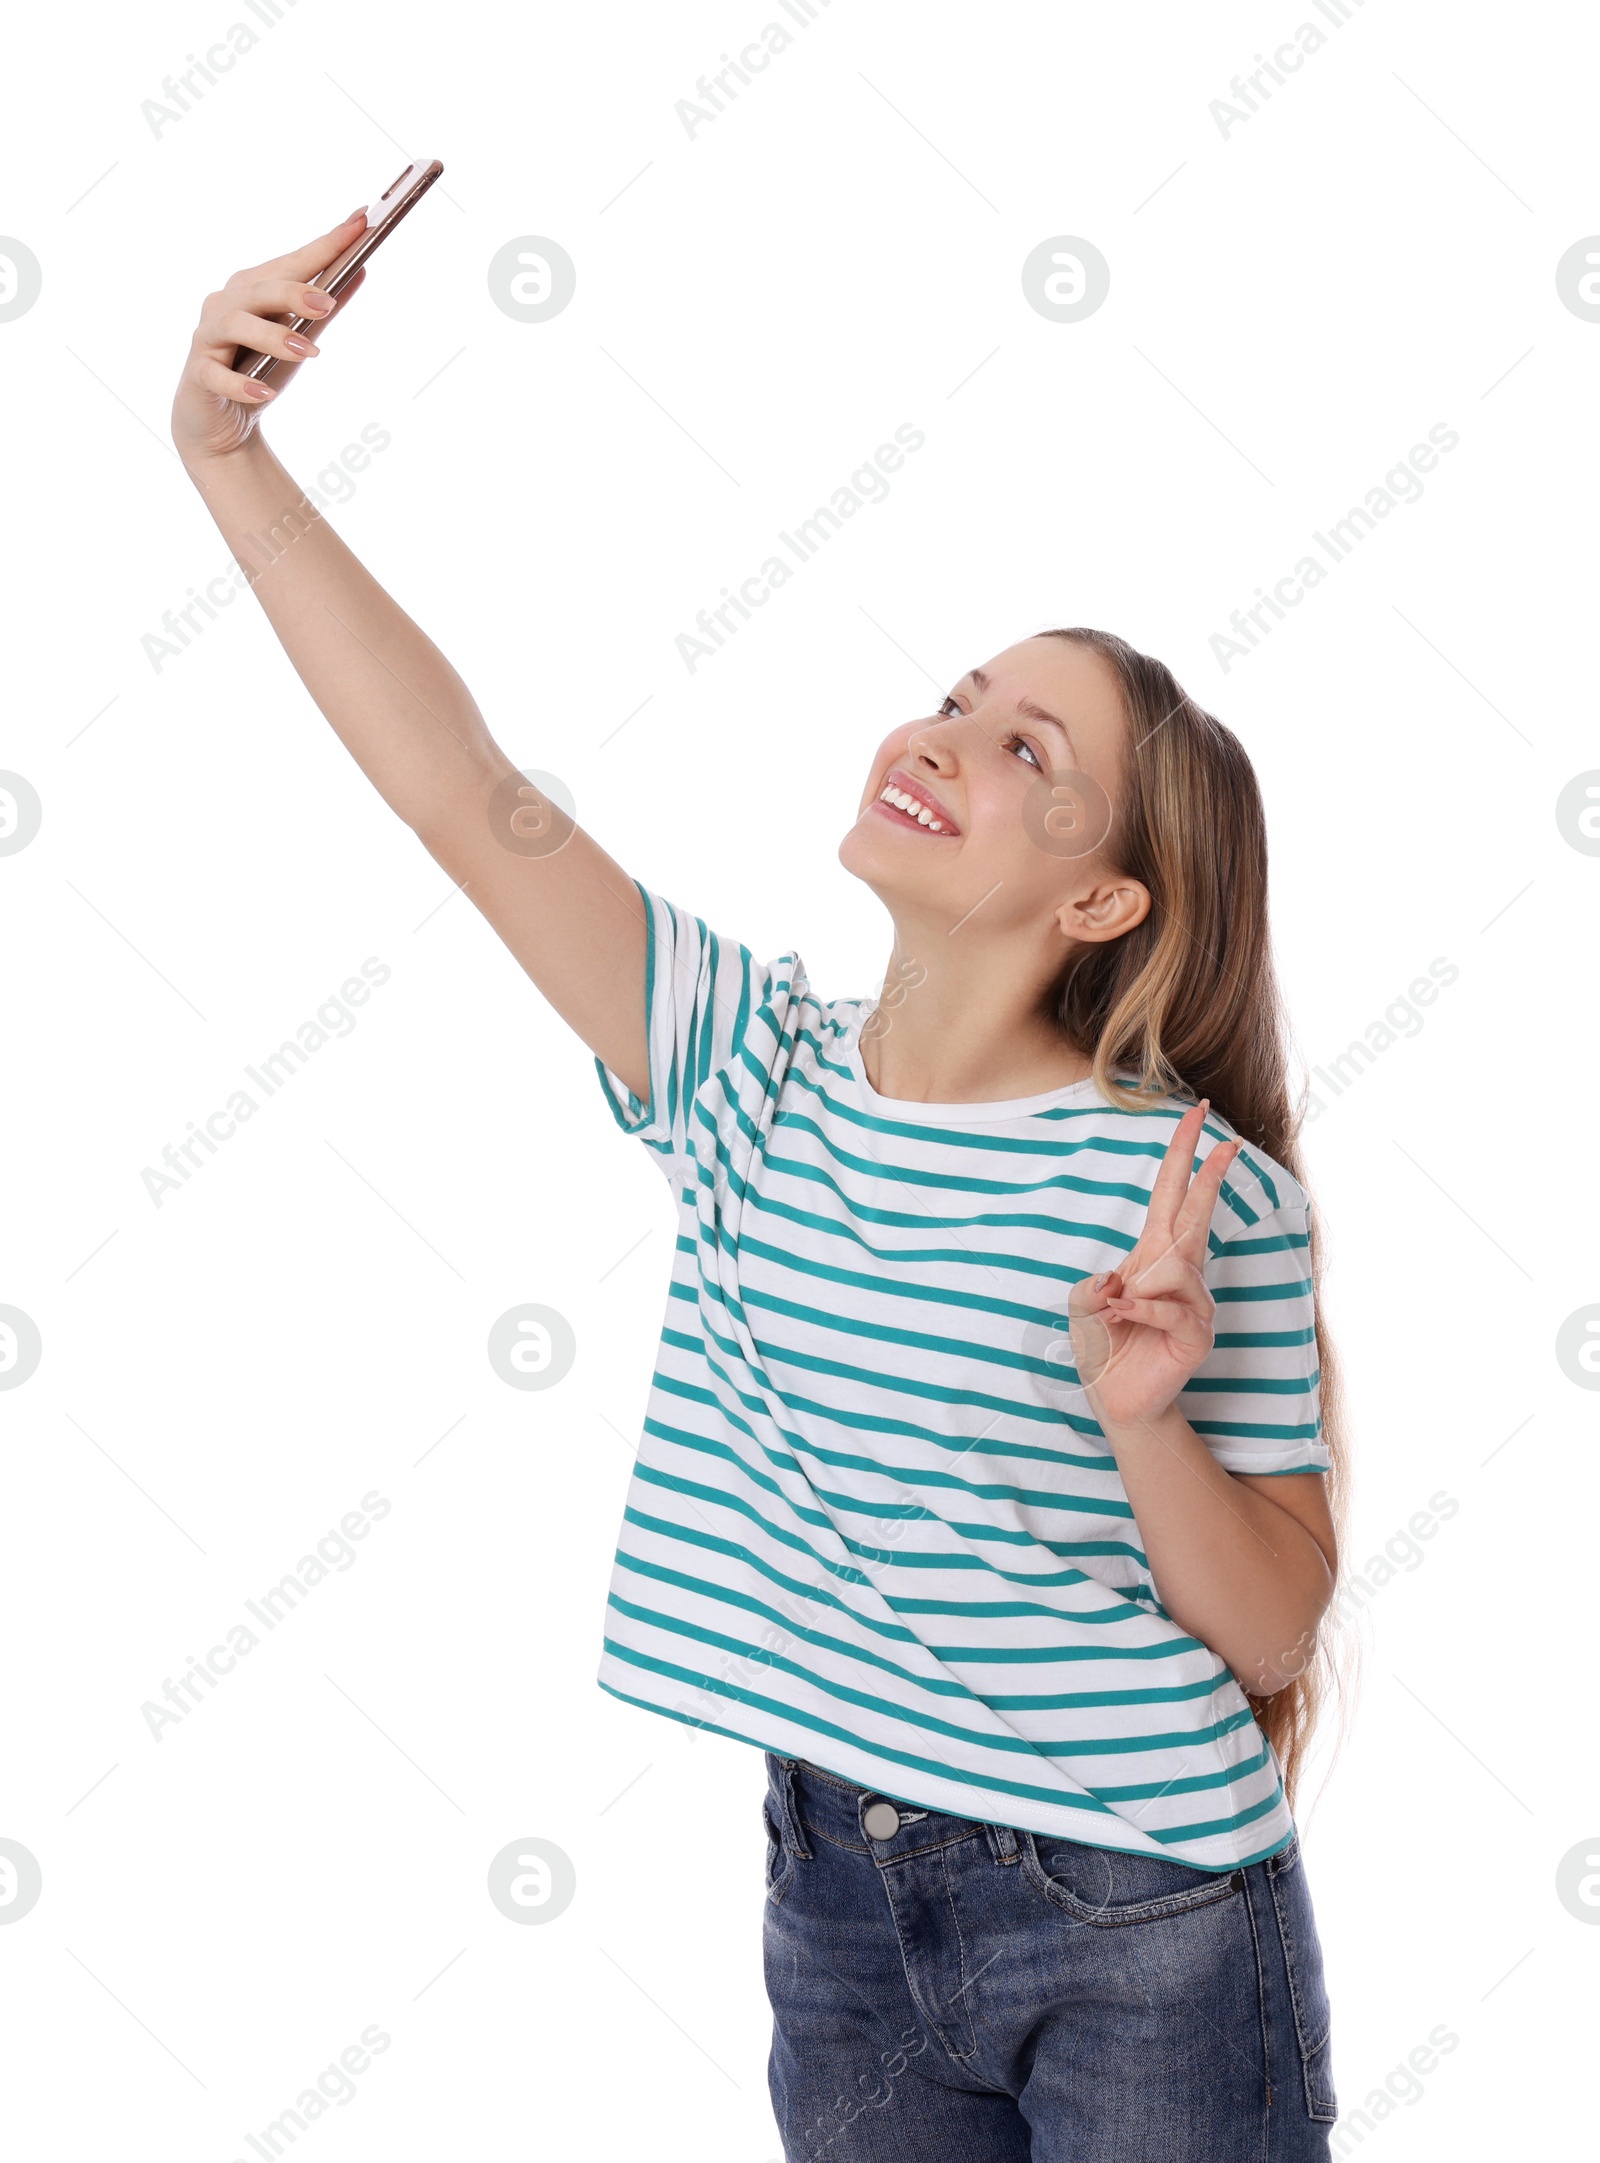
(1292, 306)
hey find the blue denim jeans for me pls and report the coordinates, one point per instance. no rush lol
(969, 1993)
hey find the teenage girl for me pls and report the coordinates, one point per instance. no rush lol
(984, 1479)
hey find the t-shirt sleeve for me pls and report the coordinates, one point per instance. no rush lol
(1255, 1398)
(709, 1007)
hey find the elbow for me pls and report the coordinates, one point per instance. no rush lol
(1277, 1666)
(1275, 1670)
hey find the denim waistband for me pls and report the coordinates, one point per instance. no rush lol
(809, 1800)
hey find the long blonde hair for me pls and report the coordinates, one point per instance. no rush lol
(1189, 1003)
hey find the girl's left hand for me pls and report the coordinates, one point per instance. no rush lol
(1139, 1332)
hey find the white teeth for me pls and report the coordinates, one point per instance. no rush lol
(904, 801)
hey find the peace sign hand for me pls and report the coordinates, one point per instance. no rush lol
(1139, 1332)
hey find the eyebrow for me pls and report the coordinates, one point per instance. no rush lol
(1027, 707)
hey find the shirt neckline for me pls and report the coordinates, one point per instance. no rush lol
(912, 1110)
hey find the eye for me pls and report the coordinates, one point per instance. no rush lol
(1007, 742)
(1034, 758)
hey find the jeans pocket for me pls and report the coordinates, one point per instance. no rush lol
(780, 1861)
(1302, 1959)
(1109, 1887)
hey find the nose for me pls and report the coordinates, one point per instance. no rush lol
(932, 746)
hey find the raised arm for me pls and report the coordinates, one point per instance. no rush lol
(567, 910)
(1245, 1562)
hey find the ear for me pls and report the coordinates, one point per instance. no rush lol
(1105, 911)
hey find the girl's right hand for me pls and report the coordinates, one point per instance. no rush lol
(216, 409)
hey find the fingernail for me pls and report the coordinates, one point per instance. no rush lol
(317, 304)
(296, 344)
(260, 391)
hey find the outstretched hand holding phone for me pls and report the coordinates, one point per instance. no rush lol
(570, 914)
(217, 403)
(348, 268)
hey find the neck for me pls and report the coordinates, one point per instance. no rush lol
(968, 1024)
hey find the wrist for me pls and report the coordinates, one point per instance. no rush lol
(207, 468)
(1146, 1429)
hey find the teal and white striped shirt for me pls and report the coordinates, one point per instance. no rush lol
(873, 1522)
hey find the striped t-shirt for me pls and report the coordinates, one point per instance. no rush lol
(872, 1521)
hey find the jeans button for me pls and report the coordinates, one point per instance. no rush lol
(880, 1821)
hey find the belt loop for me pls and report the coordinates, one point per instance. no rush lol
(1002, 1843)
(787, 1805)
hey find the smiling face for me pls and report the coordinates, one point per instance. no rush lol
(960, 811)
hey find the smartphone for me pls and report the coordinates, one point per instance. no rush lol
(383, 216)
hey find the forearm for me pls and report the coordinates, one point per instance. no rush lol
(1230, 1566)
(393, 699)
